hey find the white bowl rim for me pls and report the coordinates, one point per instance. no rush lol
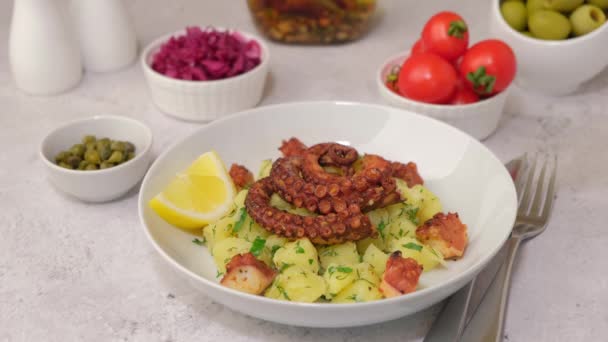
(545, 42)
(118, 167)
(472, 270)
(381, 83)
(264, 58)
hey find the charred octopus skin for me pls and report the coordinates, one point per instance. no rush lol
(340, 198)
(347, 225)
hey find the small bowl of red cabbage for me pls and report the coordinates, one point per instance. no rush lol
(202, 73)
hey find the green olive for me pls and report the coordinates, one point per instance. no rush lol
(550, 25)
(104, 151)
(586, 19)
(515, 14)
(527, 33)
(91, 167)
(603, 4)
(116, 157)
(65, 165)
(513, 1)
(534, 5)
(87, 139)
(129, 147)
(74, 161)
(92, 156)
(118, 146)
(105, 165)
(78, 150)
(562, 5)
(61, 156)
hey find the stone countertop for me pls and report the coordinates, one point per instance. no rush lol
(71, 271)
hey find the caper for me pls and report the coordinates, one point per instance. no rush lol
(105, 165)
(101, 143)
(92, 145)
(92, 156)
(83, 164)
(118, 146)
(116, 157)
(77, 150)
(91, 167)
(61, 156)
(74, 161)
(130, 155)
(104, 151)
(65, 165)
(129, 147)
(88, 139)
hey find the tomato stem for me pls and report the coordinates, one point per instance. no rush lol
(481, 81)
(457, 29)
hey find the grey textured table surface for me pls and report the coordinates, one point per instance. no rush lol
(78, 272)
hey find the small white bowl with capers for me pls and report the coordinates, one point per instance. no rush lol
(81, 163)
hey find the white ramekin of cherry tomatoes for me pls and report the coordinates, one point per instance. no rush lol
(443, 77)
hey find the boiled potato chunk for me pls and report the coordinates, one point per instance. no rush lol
(225, 249)
(358, 291)
(342, 254)
(421, 197)
(375, 257)
(247, 229)
(279, 203)
(297, 284)
(337, 277)
(299, 253)
(265, 169)
(423, 254)
(218, 231)
(365, 271)
(362, 245)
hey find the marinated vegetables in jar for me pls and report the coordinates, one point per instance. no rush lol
(312, 21)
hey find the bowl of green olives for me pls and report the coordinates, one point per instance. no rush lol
(97, 159)
(559, 44)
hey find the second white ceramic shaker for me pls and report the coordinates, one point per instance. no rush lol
(107, 37)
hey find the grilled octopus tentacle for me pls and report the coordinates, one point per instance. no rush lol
(347, 225)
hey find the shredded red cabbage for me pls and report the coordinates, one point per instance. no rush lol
(208, 54)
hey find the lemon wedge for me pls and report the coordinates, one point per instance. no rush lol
(200, 195)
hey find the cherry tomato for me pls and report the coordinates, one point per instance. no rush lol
(427, 77)
(488, 67)
(464, 95)
(392, 86)
(418, 47)
(446, 34)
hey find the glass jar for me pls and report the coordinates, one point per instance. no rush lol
(312, 21)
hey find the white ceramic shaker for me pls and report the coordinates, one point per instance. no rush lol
(106, 34)
(43, 50)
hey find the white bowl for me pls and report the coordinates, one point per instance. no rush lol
(99, 185)
(549, 66)
(479, 119)
(205, 100)
(467, 177)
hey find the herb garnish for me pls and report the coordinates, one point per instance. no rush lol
(196, 241)
(414, 246)
(257, 247)
(239, 224)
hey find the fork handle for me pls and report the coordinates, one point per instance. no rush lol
(499, 320)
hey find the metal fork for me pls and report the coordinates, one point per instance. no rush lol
(533, 215)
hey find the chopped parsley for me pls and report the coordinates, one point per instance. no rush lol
(285, 266)
(219, 274)
(414, 246)
(282, 291)
(353, 297)
(257, 247)
(274, 249)
(196, 241)
(344, 269)
(310, 261)
(239, 223)
(329, 252)
(299, 249)
(381, 227)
